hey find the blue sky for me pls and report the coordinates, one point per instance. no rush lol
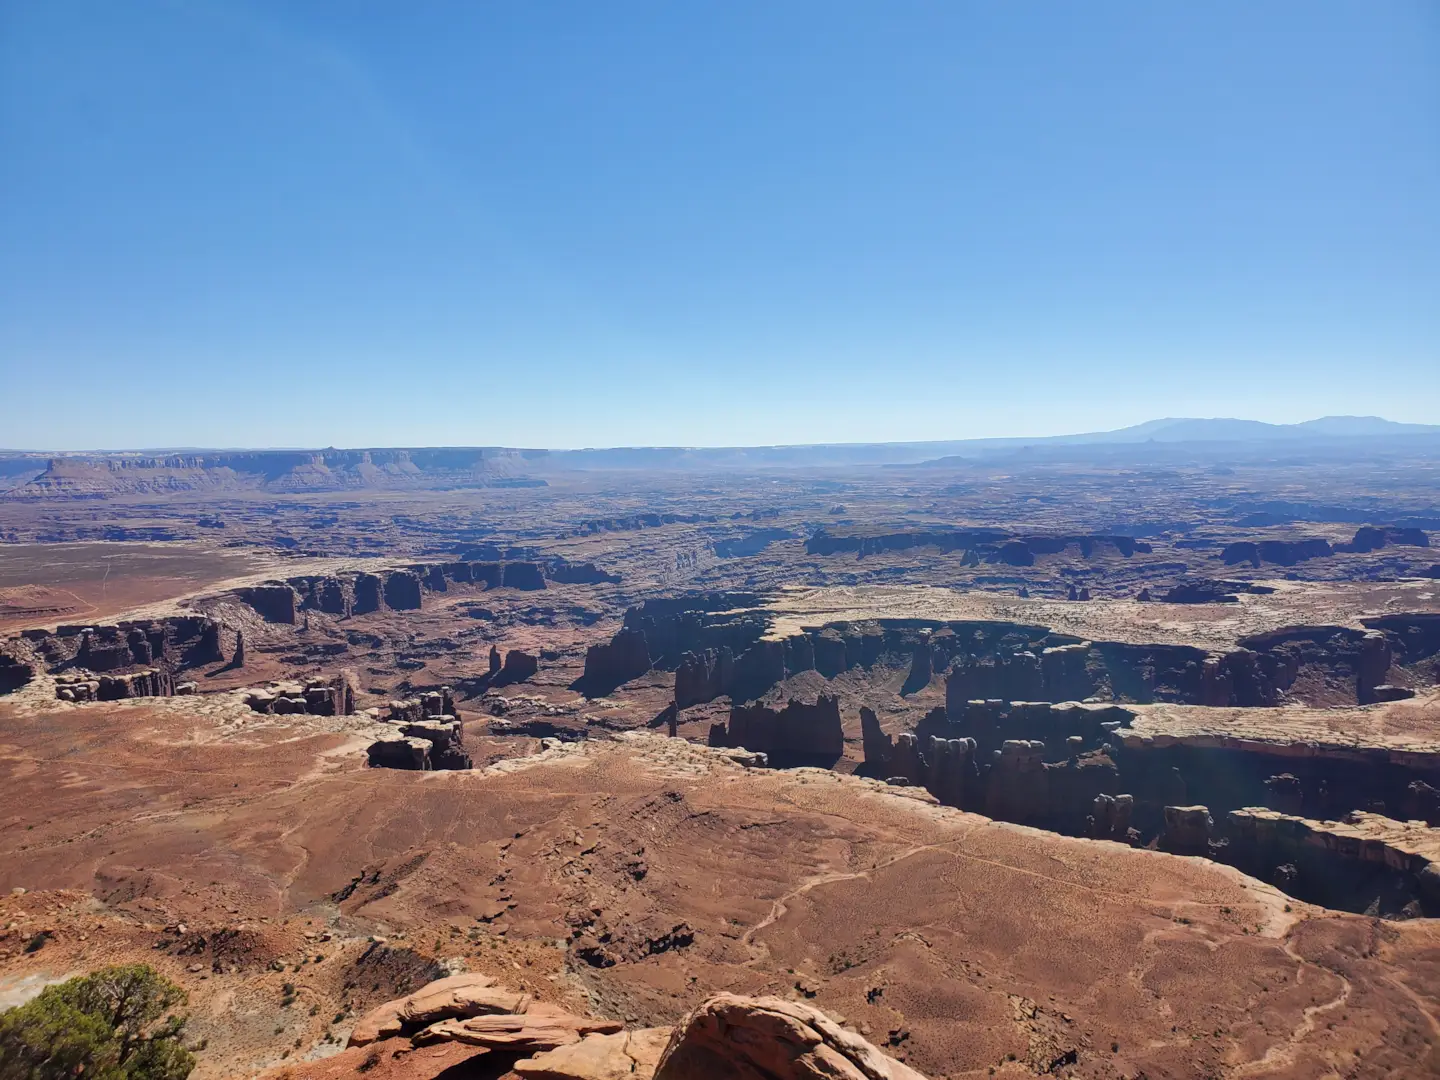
(294, 223)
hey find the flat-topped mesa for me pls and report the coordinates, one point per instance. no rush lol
(563, 572)
(1278, 552)
(151, 682)
(1260, 672)
(1054, 724)
(801, 733)
(1293, 773)
(674, 626)
(1373, 538)
(402, 588)
(718, 647)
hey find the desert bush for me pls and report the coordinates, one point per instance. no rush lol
(117, 1023)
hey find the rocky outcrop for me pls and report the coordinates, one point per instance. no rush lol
(711, 673)
(799, 734)
(332, 595)
(276, 601)
(948, 769)
(674, 626)
(152, 682)
(1413, 637)
(473, 1009)
(540, 1027)
(400, 752)
(726, 1038)
(735, 1038)
(1187, 830)
(104, 649)
(459, 996)
(175, 642)
(626, 656)
(878, 747)
(446, 746)
(14, 673)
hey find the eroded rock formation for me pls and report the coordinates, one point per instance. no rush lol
(332, 697)
(1365, 862)
(428, 735)
(735, 1038)
(151, 682)
(626, 656)
(14, 673)
(799, 733)
(519, 666)
(726, 1038)
(276, 601)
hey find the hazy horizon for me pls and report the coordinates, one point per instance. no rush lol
(1021, 438)
(248, 223)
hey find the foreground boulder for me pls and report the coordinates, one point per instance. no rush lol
(444, 999)
(737, 1038)
(726, 1038)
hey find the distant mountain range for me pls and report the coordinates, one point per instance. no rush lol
(1188, 429)
(100, 475)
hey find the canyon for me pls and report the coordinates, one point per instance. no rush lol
(1090, 759)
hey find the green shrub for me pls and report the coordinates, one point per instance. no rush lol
(117, 1023)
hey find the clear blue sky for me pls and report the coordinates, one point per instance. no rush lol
(307, 222)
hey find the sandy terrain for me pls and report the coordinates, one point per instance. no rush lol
(93, 581)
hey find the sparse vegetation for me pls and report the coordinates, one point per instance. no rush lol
(118, 1023)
